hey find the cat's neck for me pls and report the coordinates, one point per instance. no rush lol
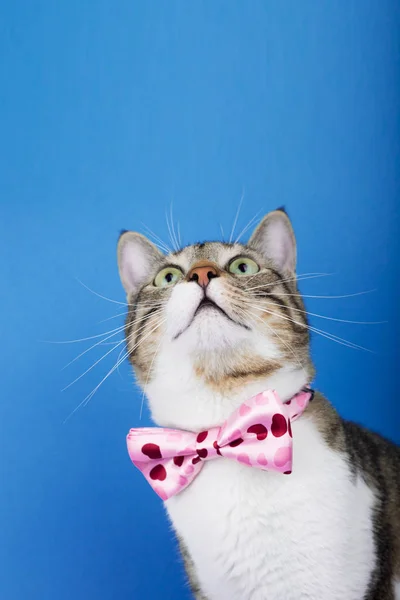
(180, 399)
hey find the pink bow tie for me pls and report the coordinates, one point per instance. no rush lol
(257, 434)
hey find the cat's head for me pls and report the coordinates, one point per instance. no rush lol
(214, 318)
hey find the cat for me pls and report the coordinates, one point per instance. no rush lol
(208, 327)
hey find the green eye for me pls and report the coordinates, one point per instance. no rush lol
(243, 266)
(168, 276)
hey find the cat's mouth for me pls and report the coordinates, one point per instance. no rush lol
(206, 304)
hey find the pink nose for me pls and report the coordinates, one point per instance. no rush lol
(203, 273)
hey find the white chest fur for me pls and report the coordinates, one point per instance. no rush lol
(255, 535)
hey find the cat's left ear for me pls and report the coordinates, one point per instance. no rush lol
(274, 238)
(138, 259)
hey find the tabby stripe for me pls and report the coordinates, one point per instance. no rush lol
(143, 322)
(366, 457)
(287, 289)
(131, 318)
(263, 371)
(286, 309)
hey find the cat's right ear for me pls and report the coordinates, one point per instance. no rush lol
(138, 258)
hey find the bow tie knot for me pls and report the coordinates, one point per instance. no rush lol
(257, 434)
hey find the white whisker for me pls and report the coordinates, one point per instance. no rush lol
(321, 332)
(86, 400)
(339, 340)
(142, 305)
(124, 314)
(249, 224)
(135, 332)
(179, 235)
(85, 339)
(160, 243)
(236, 218)
(130, 350)
(99, 295)
(171, 236)
(118, 358)
(92, 366)
(90, 396)
(101, 342)
(279, 281)
(331, 297)
(173, 227)
(306, 312)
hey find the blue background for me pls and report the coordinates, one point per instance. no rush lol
(109, 112)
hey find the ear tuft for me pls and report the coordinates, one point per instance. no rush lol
(274, 238)
(138, 259)
(282, 209)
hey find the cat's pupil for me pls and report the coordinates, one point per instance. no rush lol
(243, 267)
(168, 277)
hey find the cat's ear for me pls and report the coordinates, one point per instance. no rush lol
(274, 238)
(138, 258)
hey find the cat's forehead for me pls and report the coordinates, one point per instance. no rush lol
(217, 252)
